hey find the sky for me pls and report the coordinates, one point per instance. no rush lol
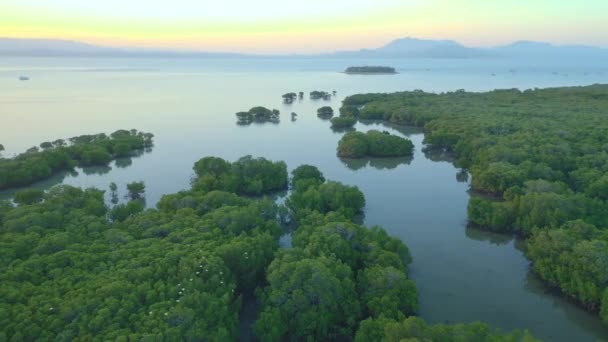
(310, 26)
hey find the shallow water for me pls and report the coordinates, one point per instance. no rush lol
(462, 274)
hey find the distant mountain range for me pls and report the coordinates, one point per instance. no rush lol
(399, 48)
(416, 48)
(57, 47)
(420, 48)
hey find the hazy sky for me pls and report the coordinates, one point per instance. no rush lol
(303, 26)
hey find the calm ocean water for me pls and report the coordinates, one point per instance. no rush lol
(462, 274)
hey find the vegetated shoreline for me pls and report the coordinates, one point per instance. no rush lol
(470, 124)
(356, 292)
(41, 163)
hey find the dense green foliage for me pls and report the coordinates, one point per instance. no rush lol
(247, 176)
(541, 154)
(317, 94)
(343, 122)
(74, 269)
(337, 272)
(258, 114)
(84, 150)
(325, 112)
(374, 144)
(370, 70)
(574, 257)
(28, 196)
(311, 193)
(306, 172)
(136, 190)
(416, 330)
(173, 273)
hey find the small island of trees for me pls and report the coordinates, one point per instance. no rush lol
(290, 97)
(374, 144)
(325, 112)
(316, 95)
(370, 70)
(258, 114)
(37, 164)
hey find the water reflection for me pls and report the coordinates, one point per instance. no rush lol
(405, 130)
(477, 234)
(586, 319)
(462, 176)
(438, 154)
(96, 170)
(376, 163)
(343, 129)
(122, 163)
(42, 185)
(68, 177)
(258, 122)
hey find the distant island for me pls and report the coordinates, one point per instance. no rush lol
(370, 70)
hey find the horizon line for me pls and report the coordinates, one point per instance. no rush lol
(160, 49)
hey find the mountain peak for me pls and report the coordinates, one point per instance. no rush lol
(409, 43)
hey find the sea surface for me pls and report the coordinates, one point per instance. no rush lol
(462, 274)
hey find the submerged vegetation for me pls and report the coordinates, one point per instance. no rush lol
(73, 268)
(370, 70)
(60, 155)
(541, 154)
(258, 114)
(374, 144)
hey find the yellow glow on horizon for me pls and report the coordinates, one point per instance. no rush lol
(272, 26)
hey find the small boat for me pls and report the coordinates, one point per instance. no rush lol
(24, 78)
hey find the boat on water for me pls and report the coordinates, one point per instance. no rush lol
(24, 78)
